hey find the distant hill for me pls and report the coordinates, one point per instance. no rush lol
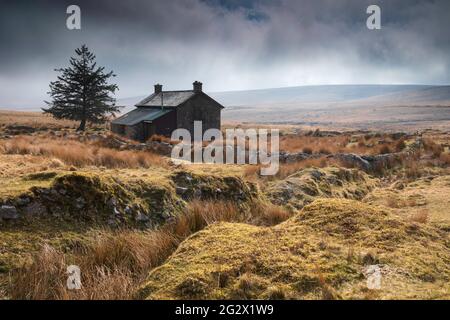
(327, 94)
(317, 94)
(435, 95)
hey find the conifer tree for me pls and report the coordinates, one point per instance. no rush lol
(82, 92)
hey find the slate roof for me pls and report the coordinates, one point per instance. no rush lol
(150, 108)
(169, 98)
(140, 114)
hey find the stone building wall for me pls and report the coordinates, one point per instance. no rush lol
(199, 108)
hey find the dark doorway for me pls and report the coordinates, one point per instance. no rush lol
(149, 130)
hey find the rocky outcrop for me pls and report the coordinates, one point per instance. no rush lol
(305, 186)
(287, 157)
(370, 163)
(97, 198)
(353, 160)
(123, 200)
(205, 187)
(8, 213)
(381, 161)
(162, 148)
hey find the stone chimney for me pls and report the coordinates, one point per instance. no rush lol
(197, 86)
(158, 88)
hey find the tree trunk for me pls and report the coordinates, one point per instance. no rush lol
(82, 125)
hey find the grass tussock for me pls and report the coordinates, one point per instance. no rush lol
(80, 154)
(307, 257)
(287, 169)
(435, 148)
(203, 213)
(110, 264)
(445, 159)
(421, 216)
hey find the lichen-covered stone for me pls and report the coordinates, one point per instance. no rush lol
(8, 212)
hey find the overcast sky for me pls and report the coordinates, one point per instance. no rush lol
(226, 44)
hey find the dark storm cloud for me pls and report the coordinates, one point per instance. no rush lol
(228, 44)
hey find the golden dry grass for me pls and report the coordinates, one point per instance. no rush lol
(421, 216)
(286, 169)
(13, 166)
(436, 149)
(445, 159)
(110, 262)
(297, 143)
(72, 152)
(36, 120)
(345, 143)
(422, 200)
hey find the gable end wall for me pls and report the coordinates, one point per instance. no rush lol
(199, 108)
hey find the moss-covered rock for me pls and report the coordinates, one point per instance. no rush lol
(213, 186)
(100, 197)
(123, 197)
(306, 185)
